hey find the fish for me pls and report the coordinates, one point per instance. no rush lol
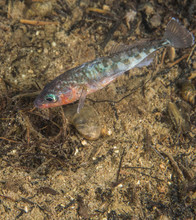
(75, 84)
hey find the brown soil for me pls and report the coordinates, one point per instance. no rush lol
(143, 167)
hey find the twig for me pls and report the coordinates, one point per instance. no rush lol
(34, 22)
(127, 167)
(120, 165)
(3, 138)
(30, 94)
(177, 61)
(175, 165)
(101, 11)
(190, 54)
(187, 174)
(7, 197)
(28, 133)
(65, 122)
(155, 150)
(9, 8)
(24, 121)
(163, 57)
(7, 118)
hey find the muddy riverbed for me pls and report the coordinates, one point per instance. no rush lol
(142, 165)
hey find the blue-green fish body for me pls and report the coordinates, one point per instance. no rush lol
(78, 82)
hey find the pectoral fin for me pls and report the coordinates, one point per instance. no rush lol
(82, 99)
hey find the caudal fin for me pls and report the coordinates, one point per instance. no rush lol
(177, 35)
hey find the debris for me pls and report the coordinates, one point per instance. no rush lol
(175, 165)
(35, 22)
(178, 60)
(155, 21)
(86, 122)
(39, 9)
(147, 8)
(62, 175)
(130, 17)
(48, 190)
(97, 10)
(171, 53)
(187, 91)
(180, 123)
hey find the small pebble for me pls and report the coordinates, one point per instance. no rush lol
(171, 53)
(106, 8)
(106, 132)
(76, 151)
(84, 142)
(26, 209)
(53, 44)
(148, 8)
(187, 91)
(40, 9)
(30, 71)
(155, 21)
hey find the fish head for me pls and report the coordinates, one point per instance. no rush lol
(49, 98)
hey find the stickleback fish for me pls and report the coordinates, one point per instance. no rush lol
(75, 84)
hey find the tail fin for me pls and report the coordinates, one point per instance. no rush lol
(177, 35)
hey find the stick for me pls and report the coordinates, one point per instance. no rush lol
(191, 53)
(34, 22)
(101, 11)
(3, 138)
(178, 61)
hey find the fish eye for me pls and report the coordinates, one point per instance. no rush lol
(51, 98)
